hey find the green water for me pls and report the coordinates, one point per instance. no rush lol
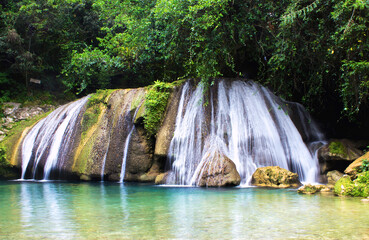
(62, 210)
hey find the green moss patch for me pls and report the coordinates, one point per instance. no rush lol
(337, 148)
(155, 105)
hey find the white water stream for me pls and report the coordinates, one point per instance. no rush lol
(248, 124)
(49, 140)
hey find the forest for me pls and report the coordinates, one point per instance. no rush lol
(312, 52)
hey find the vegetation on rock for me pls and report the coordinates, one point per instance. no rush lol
(155, 105)
(356, 188)
(364, 166)
(359, 187)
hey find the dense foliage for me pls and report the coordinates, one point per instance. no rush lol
(314, 52)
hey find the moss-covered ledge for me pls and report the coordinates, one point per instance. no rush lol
(155, 105)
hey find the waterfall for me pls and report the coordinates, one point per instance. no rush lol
(47, 143)
(247, 123)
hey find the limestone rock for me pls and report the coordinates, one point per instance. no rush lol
(312, 189)
(217, 170)
(333, 176)
(276, 177)
(352, 168)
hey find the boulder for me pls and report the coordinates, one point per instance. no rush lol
(337, 154)
(333, 176)
(276, 177)
(217, 170)
(352, 168)
(312, 189)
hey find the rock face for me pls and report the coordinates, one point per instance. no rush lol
(337, 155)
(217, 170)
(276, 177)
(352, 168)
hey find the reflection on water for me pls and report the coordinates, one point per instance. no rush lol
(62, 210)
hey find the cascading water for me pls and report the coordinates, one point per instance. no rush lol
(245, 122)
(47, 143)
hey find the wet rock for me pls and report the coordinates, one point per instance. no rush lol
(333, 176)
(139, 158)
(161, 178)
(276, 177)
(339, 149)
(217, 170)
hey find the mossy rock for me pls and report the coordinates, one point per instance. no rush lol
(275, 177)
(155, 104)
(339, 149)
(7, 171)
(312, 189)
(355, 188)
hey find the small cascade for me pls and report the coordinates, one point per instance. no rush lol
(104, 161)
(126, 146)
(46, 146)
(249, 124)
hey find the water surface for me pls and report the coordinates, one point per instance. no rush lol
(65, 210)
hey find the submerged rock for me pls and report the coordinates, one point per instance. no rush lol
(217, 170)
(276, 177)
(312, 189)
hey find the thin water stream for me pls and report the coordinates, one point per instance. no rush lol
(64, 210)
